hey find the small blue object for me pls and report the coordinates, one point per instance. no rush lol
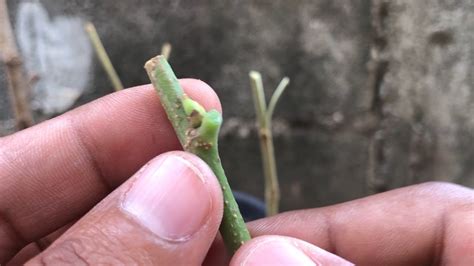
(252, 208)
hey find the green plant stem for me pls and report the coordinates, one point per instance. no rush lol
(272, 189)
(276, 96)
(264, 118)
(197, 132)
(103, 57)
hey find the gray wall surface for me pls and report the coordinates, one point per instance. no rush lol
(381, 92)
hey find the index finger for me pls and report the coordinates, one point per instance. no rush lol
(426, 224)
(54, 172)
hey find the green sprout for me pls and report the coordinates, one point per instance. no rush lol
(197, 131)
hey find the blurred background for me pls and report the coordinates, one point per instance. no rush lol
(381, 93)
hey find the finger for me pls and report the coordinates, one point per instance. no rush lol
(167, 214)
(46, 241)
(458, 240)
(404, 226)
(24, 255)
(280, 250)
(407, 226)
(54, 172)
(35, 248)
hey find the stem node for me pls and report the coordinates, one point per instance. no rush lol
(197, 131)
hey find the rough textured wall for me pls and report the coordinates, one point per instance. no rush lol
(425, 94)
(380, 93)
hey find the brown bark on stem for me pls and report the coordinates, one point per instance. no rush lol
(17, 82)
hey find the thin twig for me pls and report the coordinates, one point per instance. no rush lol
(166, 50)
(16, 75)
(276, 96)
(264, 118)
(103, 57)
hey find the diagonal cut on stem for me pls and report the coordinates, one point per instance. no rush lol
(197, 131)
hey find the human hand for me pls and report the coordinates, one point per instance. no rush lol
(52, 174)
(55, 172)
(425, 224)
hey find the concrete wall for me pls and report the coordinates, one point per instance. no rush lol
(380, 93)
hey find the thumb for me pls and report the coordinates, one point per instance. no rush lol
(280, 250)
(167, 213)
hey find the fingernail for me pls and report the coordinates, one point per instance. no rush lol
(277, 253)
(170, 198)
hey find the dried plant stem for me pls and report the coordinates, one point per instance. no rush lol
(197, 131)
(166, 50)
(103, 57)
(18, 84)
(264, 119)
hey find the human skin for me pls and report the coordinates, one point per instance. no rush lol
(52, 174)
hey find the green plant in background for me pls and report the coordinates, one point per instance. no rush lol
(103, 56)
(197, 131)
(105, 59)
(264, 118)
